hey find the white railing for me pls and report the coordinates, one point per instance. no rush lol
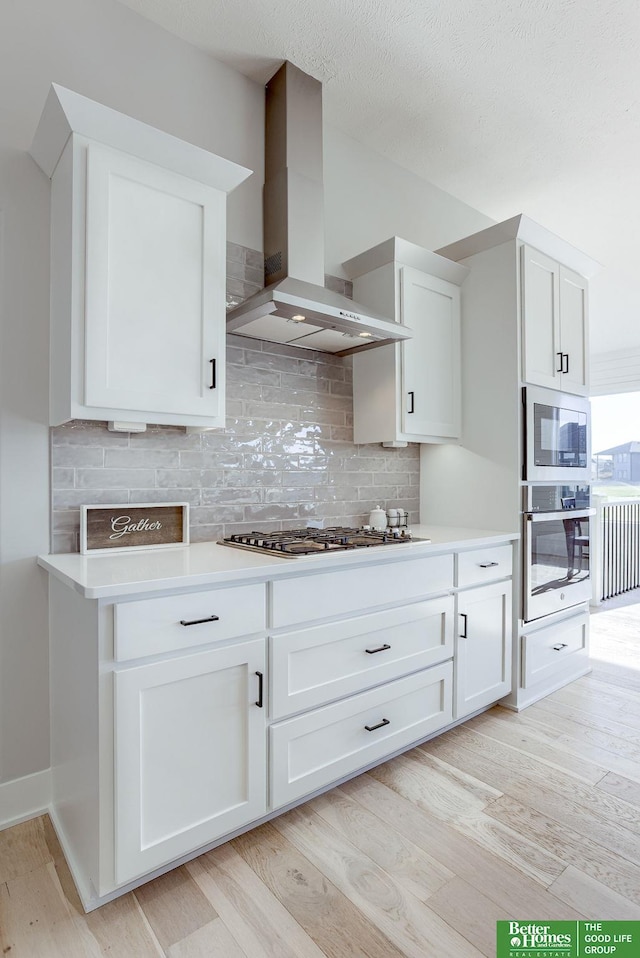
(615, 547)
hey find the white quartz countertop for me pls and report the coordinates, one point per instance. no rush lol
(207, 563)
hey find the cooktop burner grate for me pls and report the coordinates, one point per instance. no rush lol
(290, 543)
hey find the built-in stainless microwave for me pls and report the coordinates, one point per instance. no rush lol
(557, 436)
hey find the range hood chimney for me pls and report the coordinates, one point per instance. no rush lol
(295, 308)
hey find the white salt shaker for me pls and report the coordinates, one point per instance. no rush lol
(378, 519)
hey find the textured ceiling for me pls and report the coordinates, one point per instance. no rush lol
(511, 105)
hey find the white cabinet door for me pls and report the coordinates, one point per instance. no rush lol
(542, 352)
(154, 295)
(478, 566)
(171, 623)
(555, 324)
(312, 666)
(190, 753)
(556, 653)
(410, 391)
(574, 332)
(351, 591)
(312, 750)
(483, 647)
(431, 358)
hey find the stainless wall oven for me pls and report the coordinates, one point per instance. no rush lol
(557, 433)
(556, 539)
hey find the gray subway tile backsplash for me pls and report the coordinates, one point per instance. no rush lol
(235, 254)
(115, 478)
(130, 458)
(286, 455)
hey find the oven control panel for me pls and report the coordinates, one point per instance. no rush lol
(556, 497)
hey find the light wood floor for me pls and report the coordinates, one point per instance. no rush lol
(529, 816)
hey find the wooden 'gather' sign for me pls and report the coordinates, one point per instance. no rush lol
(123, 528)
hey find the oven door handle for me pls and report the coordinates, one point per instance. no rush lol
(561, 514)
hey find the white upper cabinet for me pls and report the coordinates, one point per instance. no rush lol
(430, 360)
(541, 322)
(138, 241)
(574, 332)
(555, 324)
(409, 392)
(154, 284)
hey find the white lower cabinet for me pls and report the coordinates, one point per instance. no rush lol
(315, 749)
(190, 753)
(483, 647)
(353, 591)
(170, 623)
(484, 565)
(219, 705)
(554, 652)
(313, 666)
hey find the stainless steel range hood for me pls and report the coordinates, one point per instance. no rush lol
(295, 307)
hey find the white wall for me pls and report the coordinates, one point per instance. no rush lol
(368, 199)
(104, 51)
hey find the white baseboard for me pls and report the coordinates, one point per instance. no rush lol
(25, 798)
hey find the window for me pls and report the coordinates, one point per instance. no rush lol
(616, 445)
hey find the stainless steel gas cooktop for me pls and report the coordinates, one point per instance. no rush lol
(304, 542)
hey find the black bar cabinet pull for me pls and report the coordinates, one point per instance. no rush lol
(210, 618)
(463, 635)
(488, 565)
(382, 648)
(259, 703)
(565, 363)
(213, 374)
(372, 728)
(561, 369)
(411, 400)
(561, 645)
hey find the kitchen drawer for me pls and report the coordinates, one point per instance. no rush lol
(484, 565)
(313, 666)
(328, 594)
(170, 623)
(320, 747)
(550, 653)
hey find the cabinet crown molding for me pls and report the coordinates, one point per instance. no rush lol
(66, 112)
(526, 230)
(401, 251)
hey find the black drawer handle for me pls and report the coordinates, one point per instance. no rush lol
(560, 646)
(259, 703)
(372, 728)
(382, 648)
(561, 369)
(565, 363)
(213, 374)
(411, 408)
(488, 565)
(210, 618)
(463, 635)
